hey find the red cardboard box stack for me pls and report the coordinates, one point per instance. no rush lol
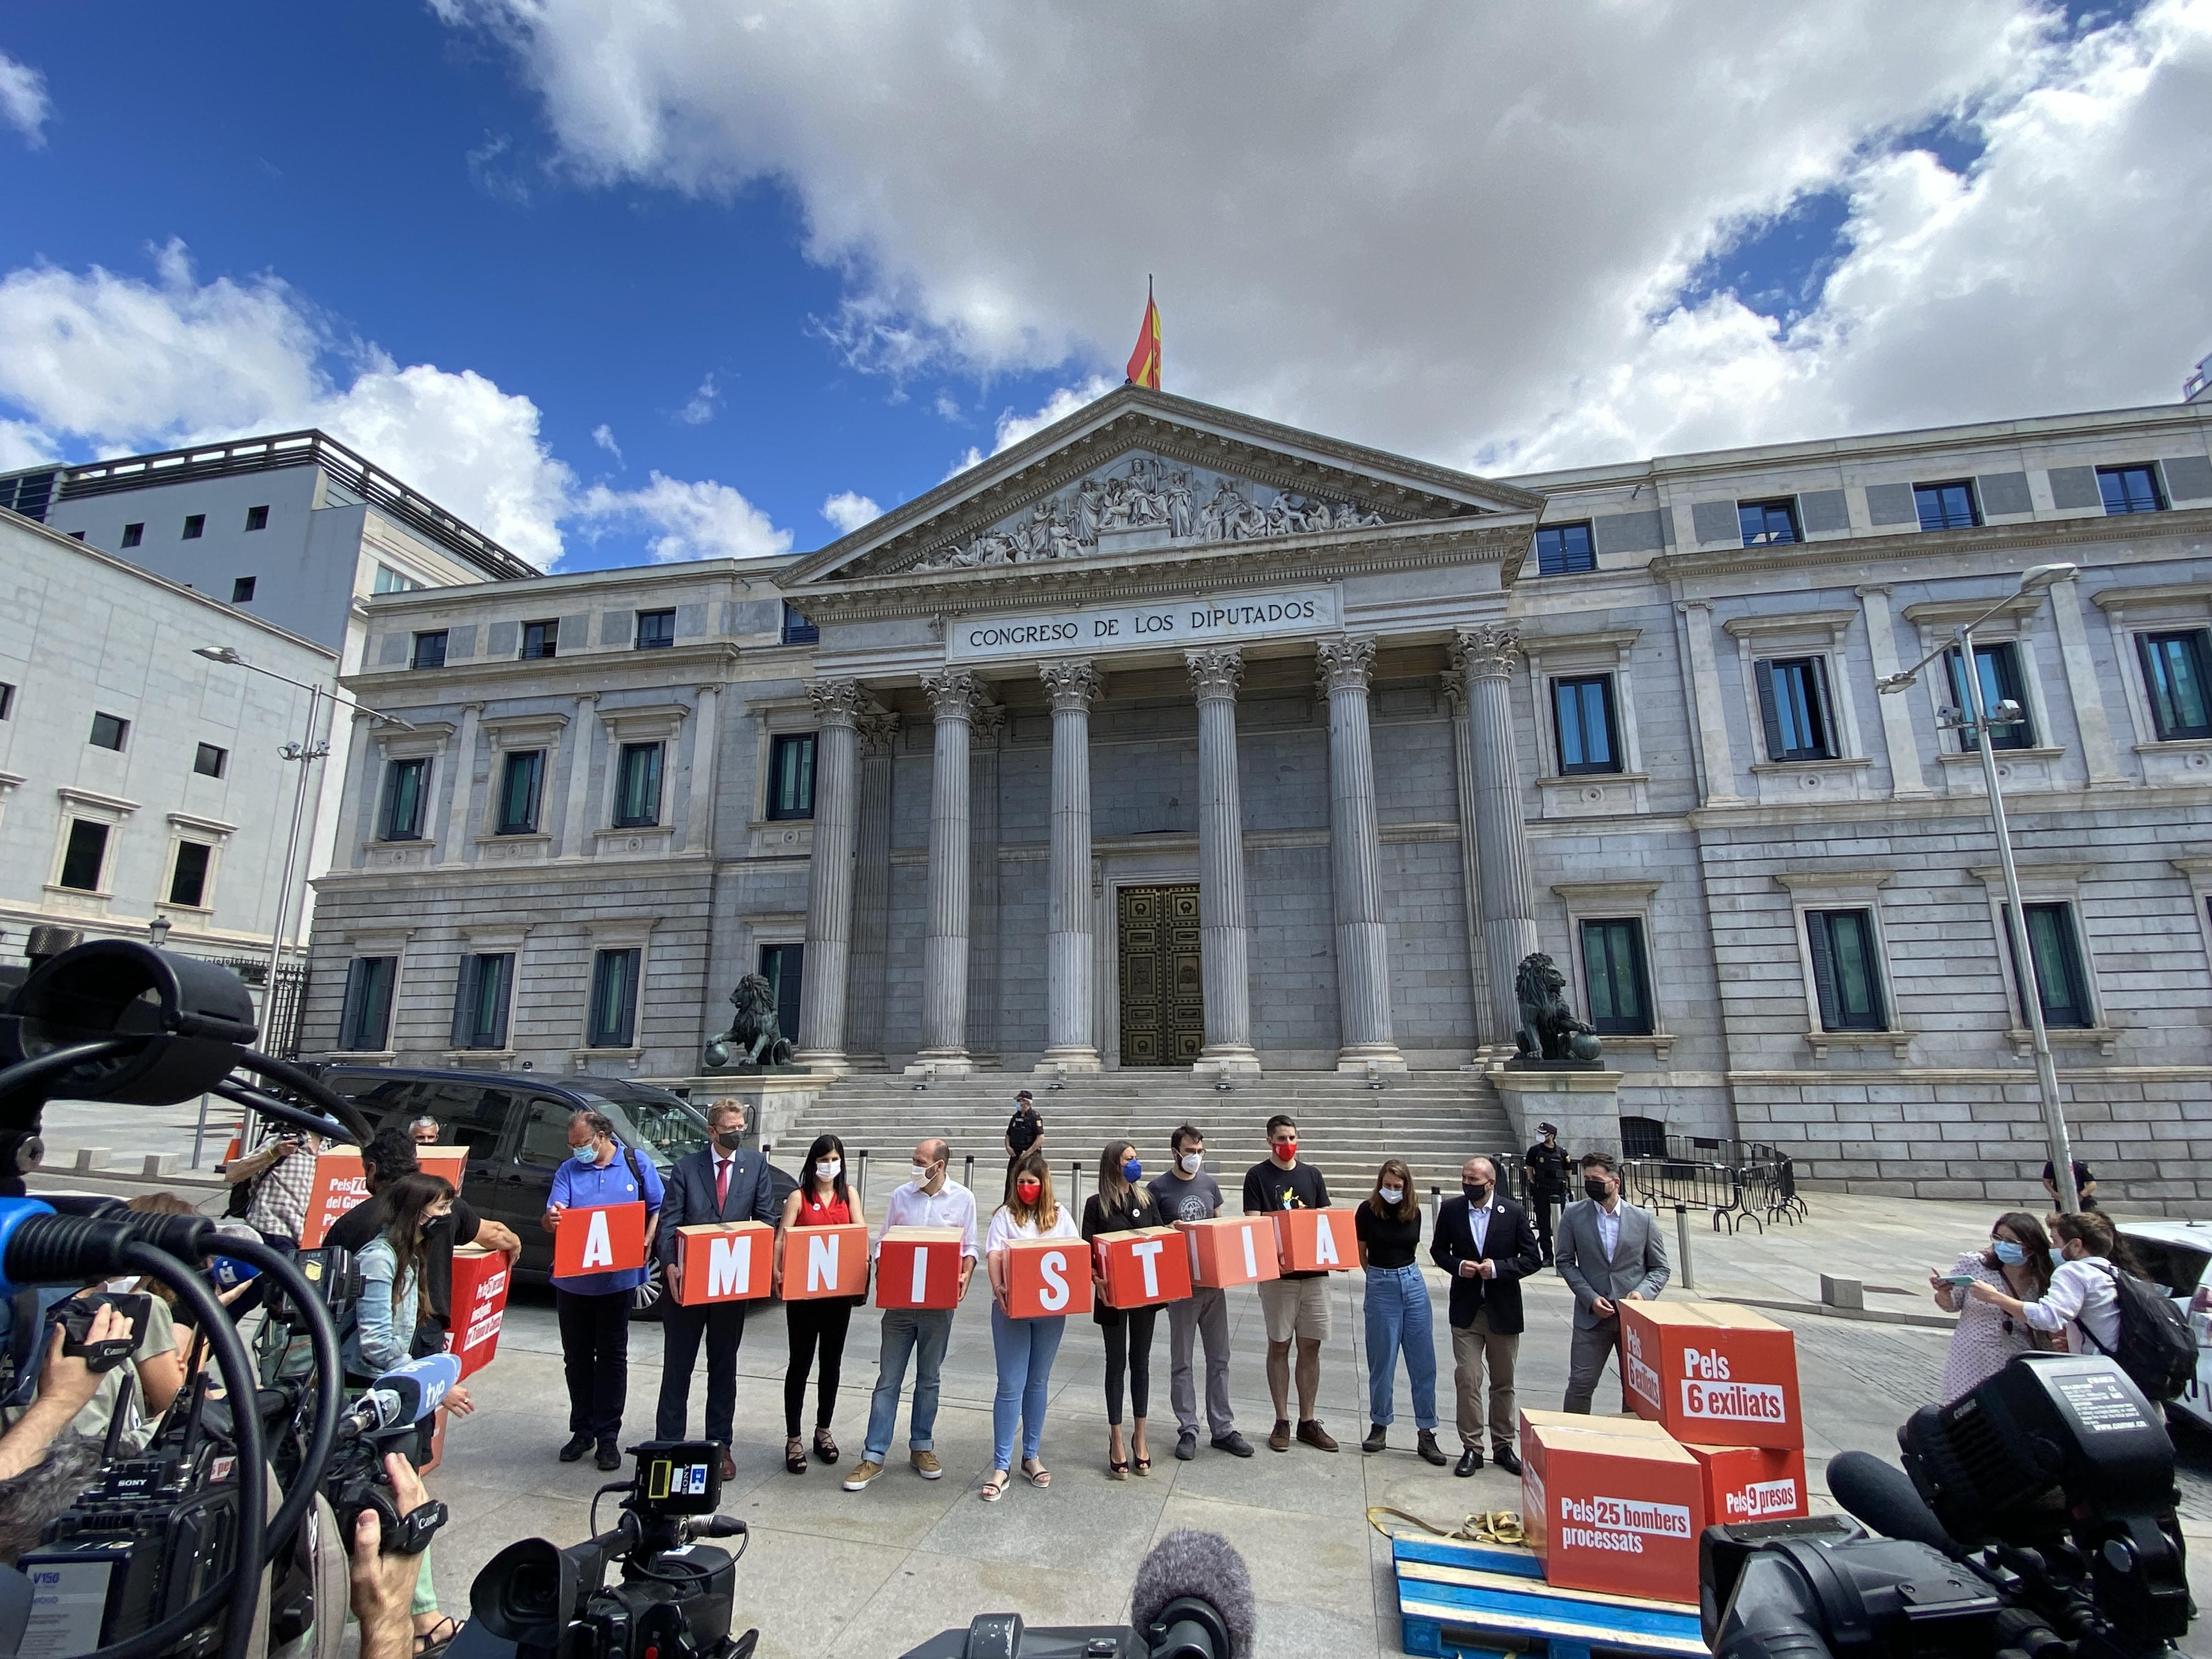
(1611, 1503)
(1723, 1380)
(478, 1306)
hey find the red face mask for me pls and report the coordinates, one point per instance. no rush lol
(1028, 1191)
(1286, 1149)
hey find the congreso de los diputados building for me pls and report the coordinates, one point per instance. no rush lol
(1174, 748)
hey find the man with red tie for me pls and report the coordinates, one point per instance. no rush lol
(721, 1182)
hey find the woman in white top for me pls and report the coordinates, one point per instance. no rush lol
(1987, 1338)
(1025, 1348)
(2084, 1298)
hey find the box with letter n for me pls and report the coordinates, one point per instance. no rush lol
(724, 1262)
(599, 1238)
(820, 1262)
(1314, 1241)
(919, 1268)
(1143, 1268)
(1230, 1250)
(1048, 1276)
(1611, 1503)
(1712, 1373)
(481, 1278)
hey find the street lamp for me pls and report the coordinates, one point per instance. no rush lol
(2035, 581)
(157, 932)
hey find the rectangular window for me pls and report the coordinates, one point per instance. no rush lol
(406, 786)
(613, 1020)
(2001, 682)
(637, 786)
(797, 630)
(790, 776)
(520, 778)
(1619, 985)
(1946, 506)
(1583, 710)
(1793, 706)
(2130, 490)
(782, 966)
(2059, 978)
(388, 581)
(1767, 522)
(480, 1003)
(133, 534)
(209, 762)
(257, 518)
(1563, 549)
(84, 855)
(656, 629)
(241, 590)
(429, 650)
(7, 700)
(2174, 673)
(188, 880)
(1846, 974)
(108, 731)
(365, 1026)
(195, 527)
(540, 639)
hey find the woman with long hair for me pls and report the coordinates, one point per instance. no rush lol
(817, 1325)
(1121, 1205)
(391, 1267)
(1023, 1347)
(2083, 1297)
(1389, 1226)
(1986, 1337)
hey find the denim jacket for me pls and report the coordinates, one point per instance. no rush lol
(384, 1321)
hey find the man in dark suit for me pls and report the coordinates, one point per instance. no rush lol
(1609, 1253)
(1485, 1242)
(721, 1182)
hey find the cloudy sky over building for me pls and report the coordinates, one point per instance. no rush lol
(619, 282)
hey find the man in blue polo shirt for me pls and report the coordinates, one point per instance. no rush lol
(594, 1308)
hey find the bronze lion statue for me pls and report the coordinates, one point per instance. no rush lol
(1549, 1029)
(753, 1037)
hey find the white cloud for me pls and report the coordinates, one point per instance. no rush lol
(604, 436)
(1011, 428)
(24, 105)
(848, 510)
(704, 402)
(693, 520)
(1459, 230)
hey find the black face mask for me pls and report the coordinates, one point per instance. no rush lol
(1475, 1194)
(1595, 1188)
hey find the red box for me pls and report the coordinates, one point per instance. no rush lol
(1226, 1250)
(1711, 1373)
(919, 1268)
(825, 1261)
(481, 1278)
(598, 1238)
(1143, 1268)
(1314, 1241)
(725, 1261)
(1612, 1504)
(339, 1185)
(449, 1163)
(1046, 1276)
(1751, 1483)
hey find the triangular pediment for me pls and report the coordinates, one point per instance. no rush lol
(1139, 471)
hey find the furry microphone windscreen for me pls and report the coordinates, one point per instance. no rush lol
(1202, 1565)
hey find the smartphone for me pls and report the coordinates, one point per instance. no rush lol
(1961, 1280)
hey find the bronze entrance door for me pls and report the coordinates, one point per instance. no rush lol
(1162, 994)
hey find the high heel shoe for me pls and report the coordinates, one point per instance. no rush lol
(794, 1455)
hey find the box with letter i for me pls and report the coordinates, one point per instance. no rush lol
(918, 1267)
(1611, 1503)
(1232, 1250)
(1712, 1373)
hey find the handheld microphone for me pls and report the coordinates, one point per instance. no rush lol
(1885, 1499)
(375, 1411)
(1193, 1598)
(416, 1388)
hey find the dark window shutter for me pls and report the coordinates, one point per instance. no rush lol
(502, 974)
(1824, 742)
(1770, 716)
(1824, 970)
(384, 825)
(787, 990)
(465, 1002)
(349, 1021)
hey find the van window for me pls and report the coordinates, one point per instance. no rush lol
(545, 1133)
(664, 1129)
(468, 1114)
(2175, 1267)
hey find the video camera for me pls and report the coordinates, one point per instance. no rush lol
(2035, 1518)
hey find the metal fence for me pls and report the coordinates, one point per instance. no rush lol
(1735, 1180)
(282, 1009)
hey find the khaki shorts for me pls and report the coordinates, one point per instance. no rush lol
(1295, 1307)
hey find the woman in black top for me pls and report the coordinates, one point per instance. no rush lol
(1388, 1224)
(1121, 1205)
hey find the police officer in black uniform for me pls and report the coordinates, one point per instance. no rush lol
(1545, 1166)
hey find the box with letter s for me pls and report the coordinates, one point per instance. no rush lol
(1048, 1276)
(1712, 1373)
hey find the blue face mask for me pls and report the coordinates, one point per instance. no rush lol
(2010, 1254)
(586, 1153)
(2058, 1258)
(1133, 1172)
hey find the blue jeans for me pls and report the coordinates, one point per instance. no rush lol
(1398, 1318)
(1025, 1348)
(920, 1333)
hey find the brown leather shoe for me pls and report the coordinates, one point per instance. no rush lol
(1280, 1439)
(1312, 1433)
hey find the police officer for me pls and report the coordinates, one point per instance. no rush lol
(1545, 1166)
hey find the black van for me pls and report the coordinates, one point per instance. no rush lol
(515, 1126)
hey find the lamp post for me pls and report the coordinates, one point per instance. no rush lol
(157, 932)
(2036, 580)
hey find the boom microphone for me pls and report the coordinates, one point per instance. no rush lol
(40, 1247)
(1193, 1598)
(1885, 1498)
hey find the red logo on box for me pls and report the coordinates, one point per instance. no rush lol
(1751, 1483)
(481, 1279)
(339, 1185)
(1711, 1373)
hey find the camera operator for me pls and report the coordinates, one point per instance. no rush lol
(156, 1369)
(383, 1587)
(283, 1177)
(66, 1386)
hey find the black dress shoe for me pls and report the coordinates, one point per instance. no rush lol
(1505, 1459)
(577, 1446)
(1187, 1444)
(1234, 1443)
(1469, 1462)
(609, 1457)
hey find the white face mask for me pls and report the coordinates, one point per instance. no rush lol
(1392, 1194)
(921, 1175)
(1192, 1162)
(827, 1168)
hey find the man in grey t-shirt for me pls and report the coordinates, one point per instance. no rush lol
(1186, 1193)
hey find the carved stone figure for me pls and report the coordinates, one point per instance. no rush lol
(1550, 1033)
(753, 1041)
(1087, 507)
(1061, 542)
(1178, 505)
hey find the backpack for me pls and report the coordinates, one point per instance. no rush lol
(2156, 1348)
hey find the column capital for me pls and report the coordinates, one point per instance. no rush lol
(1345, 663)
(837, 702)
(953, 695)
(1865, 588)
(878, 731)
(1215, 674)
(1486, 652)
(987, 721)
(1454, 684)
(1073, 683)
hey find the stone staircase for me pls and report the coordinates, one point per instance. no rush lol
(1433, 1119)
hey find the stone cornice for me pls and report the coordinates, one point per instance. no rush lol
(2121, 598)
(450, 686)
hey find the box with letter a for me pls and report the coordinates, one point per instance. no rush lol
(1232, 1250)
(725, 1261)
(1611, 1503)
(1711, 1373)
(1314, 1241)
(1143, 1268)
(1048, 1276)
(918, 1267)
(1751, 1483)
(599, 1238)
(820, 1262)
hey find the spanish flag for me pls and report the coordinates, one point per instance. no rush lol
(1145, 360)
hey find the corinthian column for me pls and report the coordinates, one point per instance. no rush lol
(1484, 656)
(1225, 948)
(1069, 1042)
(838, 708)
(1362, 947)
(945, 946)
(871, 892)
(985, 729)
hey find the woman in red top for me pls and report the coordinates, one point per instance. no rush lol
(822, 1200)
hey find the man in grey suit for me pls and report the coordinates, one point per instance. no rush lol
(1608, 1252)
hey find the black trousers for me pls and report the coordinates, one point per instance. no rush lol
(595, 1353)
(819, 1324)
(1540, 1212)
(1129, 1341)
(723, 1326)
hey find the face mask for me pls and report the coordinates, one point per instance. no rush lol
(731, 1140)
(2059, 1256)
(1392, 1194)
(921, 1174)
(1191, 1162)
(1133, 1172)
(828, 1168)
(1595, 1188)
(1288, 1151)
(2010, 1254)
(1475, 1194)
(586, 1153)
(1028, 1191)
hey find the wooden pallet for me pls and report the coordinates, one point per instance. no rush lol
(1477, 1602)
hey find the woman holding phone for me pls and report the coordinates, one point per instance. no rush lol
(1987, 1338)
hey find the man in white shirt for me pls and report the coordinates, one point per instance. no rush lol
(932, 1199)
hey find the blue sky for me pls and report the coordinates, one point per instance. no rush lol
(621, 283)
